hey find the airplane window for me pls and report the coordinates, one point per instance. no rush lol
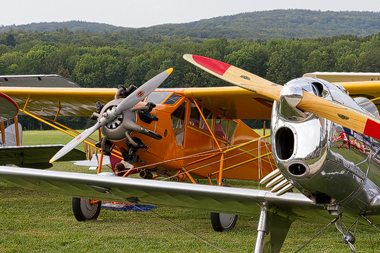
(231, 129)
(221, 125)
(178, 121)
(209, 115)
(172, 99)
(158, 97)
(195, 116)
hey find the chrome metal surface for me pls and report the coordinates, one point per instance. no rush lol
(261, 229)
(328, 163)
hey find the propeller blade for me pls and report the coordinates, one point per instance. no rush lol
(339, 227)
(338, 113)
(143, 91)
(75, 142)
(351, 247)
(341, 114)
(236, 76)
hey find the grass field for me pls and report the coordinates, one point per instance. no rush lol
(31, 221)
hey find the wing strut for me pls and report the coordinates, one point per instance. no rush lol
(271, 231)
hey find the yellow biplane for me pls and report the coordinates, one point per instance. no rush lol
(175, 134)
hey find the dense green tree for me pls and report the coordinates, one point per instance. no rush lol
(10, 40)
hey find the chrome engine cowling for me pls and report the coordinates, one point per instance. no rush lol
(313, 154)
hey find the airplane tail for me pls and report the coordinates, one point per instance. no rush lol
(10, 136)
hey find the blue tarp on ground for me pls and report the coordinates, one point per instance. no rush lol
(127, 207)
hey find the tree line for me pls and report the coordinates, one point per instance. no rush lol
(248, 26)
(97, 60)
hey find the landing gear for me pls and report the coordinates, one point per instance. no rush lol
(223, 222)
(86, 209)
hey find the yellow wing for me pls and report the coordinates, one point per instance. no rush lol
(233, 102)
(59, 101)
(52, 95)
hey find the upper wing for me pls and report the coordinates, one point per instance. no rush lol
(59, 101)
(52, 95)
(36, 81)
(233, 102)
(36, 156)
(213, 198)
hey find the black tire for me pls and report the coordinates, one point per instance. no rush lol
(84, 211)
(223, 222)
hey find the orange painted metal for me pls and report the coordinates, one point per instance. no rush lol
(17, 132)
(201, 151)
(128, 172)
(100, 162)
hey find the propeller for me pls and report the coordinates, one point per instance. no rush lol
(336, 112)
(109, 116)
(347, 238)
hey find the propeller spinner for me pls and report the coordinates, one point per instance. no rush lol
(112, 114)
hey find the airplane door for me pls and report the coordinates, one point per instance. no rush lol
(178, 123)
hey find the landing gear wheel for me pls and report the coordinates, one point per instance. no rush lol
(223, 222)
(84, 210)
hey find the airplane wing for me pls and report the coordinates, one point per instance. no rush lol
(37, 156)
(206, 197)
(234, 102)
(65, 98)
(45, 101)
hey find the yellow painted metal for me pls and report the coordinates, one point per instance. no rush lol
(246, 143)
(54, 126)
(26, 103)
(169, 71)
(232, 102)
(59, 109)
(59, 92)
(242, 163)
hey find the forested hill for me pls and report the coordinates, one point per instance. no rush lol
(246, 26)
(276, 24)
(72, 26)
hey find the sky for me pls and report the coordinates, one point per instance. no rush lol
(145, 13)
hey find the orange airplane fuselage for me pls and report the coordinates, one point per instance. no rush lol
(188, 145)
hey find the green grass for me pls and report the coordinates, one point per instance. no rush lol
(32, 221)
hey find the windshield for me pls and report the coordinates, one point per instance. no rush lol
(158, 97)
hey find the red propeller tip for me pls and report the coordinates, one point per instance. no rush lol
(216, 66)
(372, 129)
